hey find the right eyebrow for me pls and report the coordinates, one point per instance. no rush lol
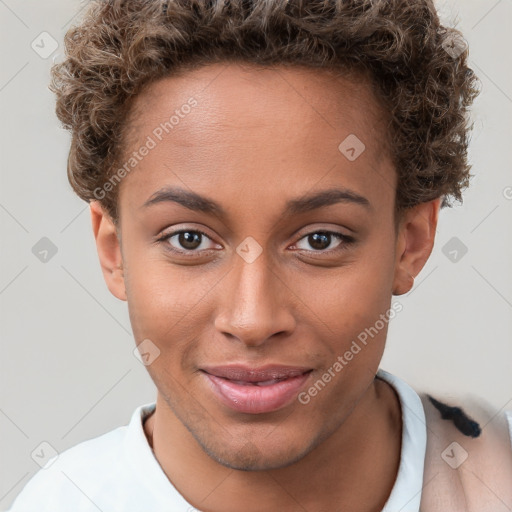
(186, 198)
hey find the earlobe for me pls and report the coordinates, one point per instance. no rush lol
(415, 242)
(109, 250)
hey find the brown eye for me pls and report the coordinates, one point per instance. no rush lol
(321, 241)
(186, 241)
(189, 239)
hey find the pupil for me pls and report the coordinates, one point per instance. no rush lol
(190, 240)
(319, 240)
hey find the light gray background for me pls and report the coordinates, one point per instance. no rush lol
(67, 368)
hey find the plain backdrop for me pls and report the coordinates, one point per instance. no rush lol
(68, 372)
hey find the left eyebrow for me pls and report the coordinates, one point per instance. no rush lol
(313, 201)
(325, 198)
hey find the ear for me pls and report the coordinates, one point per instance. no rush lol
(109, 250)
(415, 240)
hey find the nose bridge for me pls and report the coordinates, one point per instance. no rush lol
(256, 306)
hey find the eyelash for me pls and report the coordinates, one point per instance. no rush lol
(345, 239)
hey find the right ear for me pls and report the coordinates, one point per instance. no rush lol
(109, 250)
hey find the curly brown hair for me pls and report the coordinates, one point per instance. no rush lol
(400, 45)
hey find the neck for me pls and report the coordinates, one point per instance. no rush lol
(364, 453)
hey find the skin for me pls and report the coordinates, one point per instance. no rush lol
(256, 139)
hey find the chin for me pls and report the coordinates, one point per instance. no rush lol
(253, 456)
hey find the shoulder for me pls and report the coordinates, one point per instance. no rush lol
(469, 455)
(71, 477)
(467, 415)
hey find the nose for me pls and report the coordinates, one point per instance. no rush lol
(255, 304)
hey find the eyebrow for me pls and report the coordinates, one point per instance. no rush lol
(309, 202)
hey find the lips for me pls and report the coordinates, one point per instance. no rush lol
(256, 390)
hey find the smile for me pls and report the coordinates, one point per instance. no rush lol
(256, 391)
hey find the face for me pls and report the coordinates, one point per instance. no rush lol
(256, 254)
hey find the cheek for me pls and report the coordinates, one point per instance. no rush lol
(166, 303)
(354, 303)
(357, 313)
(352, 296)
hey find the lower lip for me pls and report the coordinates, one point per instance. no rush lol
(255, 399)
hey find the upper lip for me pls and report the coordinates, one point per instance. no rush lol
(255, 374)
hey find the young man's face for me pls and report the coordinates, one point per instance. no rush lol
(267, 285)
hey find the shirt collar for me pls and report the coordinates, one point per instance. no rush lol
(406, 493)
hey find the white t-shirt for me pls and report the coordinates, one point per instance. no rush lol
(118, 471)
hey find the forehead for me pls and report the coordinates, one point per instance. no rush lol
(227, 125)
(228, 93)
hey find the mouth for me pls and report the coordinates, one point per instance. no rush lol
(256, 390)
